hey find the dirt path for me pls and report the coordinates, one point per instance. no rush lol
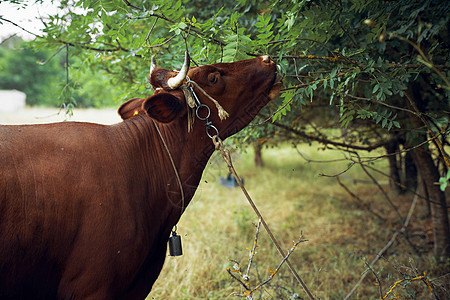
(40, 115)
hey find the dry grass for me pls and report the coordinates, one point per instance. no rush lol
(219, 225)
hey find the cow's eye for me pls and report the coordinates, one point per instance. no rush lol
(212, 77)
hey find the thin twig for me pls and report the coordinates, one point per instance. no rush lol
(249, 291)
(381, 189)
(345, 31)
(165, 42)
(380, 289)
(423, 278)
(427, 61)
(387, 246)
(350, 165)
(309, 160)
(237, 279)
(399, 184)
(366, 206)
(151, 29)
(131, 5)
(367, 159)
(382, 103)
(273, 273)
(87, 47)
(324, 140)
(17, 25)
(253, 251)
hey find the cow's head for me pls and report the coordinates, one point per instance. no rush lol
(241, 88)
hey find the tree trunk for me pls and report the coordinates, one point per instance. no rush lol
(422, 191)
(258, 155)
(429, 173)
(410, 172)
(437, 203)
(394, 170)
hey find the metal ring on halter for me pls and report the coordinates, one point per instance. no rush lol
(209, 126)
(194, 95)
(207, 110)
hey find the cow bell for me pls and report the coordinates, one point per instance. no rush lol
(175, 245)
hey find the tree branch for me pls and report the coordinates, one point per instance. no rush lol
(115, 49)
(381, 103)
(386, 196)
(324, 140)
(131, 5)
(380, 289)
(17, 25)
(337, 58)
(365, 205)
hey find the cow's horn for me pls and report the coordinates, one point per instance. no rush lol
(152, 65)
(176, 81)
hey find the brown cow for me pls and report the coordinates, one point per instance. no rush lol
(86, 209)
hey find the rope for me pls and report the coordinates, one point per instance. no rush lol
(227, 158)
(222, 113)
(174, 167)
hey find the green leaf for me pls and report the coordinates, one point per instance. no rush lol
(443, 182)
(109, 5)
(375, 88)
(389, 125)
(177, 5)
(333, 73)
(259, 25)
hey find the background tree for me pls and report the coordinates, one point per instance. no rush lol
(42, 75)
(23, 68)
(382, 71)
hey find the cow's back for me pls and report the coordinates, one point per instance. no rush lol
(59, 195)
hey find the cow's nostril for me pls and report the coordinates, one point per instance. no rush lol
(265, 58)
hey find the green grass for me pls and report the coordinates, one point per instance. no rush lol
(219, 225)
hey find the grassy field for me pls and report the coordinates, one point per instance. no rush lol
(219, 225)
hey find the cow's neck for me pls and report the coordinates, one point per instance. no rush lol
(190, 153)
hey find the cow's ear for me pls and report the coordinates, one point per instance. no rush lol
(163, 107)
(131, 108)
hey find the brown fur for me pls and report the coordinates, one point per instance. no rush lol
(86, 209)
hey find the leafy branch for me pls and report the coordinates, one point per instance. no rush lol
(424, 59)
